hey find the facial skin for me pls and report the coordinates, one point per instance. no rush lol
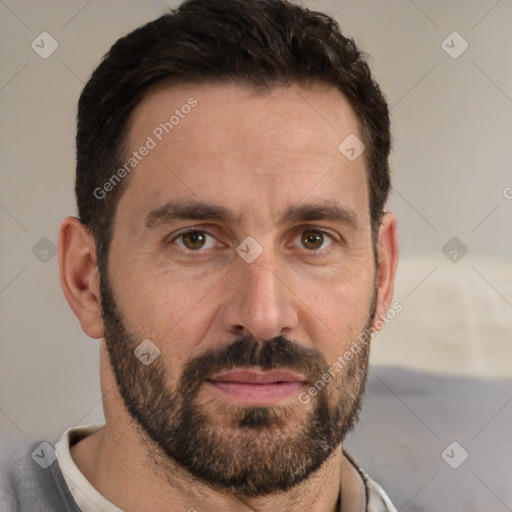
(269, 163)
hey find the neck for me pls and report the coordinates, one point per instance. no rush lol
(122, 467)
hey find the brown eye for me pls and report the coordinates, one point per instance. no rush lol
(195, 240)
(312, 240)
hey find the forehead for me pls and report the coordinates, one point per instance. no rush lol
(233, 144)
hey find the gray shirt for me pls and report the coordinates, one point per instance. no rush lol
(31, 479)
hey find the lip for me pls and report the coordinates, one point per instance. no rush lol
(256, 387)
(259, 376)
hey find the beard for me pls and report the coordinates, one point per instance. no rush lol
(250, 451)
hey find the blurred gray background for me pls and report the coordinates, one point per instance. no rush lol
(445, 70)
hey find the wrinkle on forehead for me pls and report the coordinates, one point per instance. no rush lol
(281, 120)
(247, 151)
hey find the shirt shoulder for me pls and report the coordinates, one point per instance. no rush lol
(31, 480)
(376, 498)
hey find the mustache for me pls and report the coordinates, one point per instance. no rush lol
(248, 352)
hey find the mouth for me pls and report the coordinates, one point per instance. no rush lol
(256, 387)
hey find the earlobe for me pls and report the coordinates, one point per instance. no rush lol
(79, 275)
(387, 263)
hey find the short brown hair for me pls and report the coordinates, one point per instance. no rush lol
(259, 42)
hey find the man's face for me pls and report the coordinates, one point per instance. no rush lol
(244, 325)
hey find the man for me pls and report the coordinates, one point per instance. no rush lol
(232, 170)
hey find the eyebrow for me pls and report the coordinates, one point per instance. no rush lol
(195, 210)
(325, 210)
(189, 210)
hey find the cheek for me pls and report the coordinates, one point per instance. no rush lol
(338, 313)
(162, 305)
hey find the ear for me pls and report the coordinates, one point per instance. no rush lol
(387, 263)
(79, 276)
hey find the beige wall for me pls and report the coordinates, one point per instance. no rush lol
(451, 164)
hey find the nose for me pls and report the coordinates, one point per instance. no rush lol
(260, 303)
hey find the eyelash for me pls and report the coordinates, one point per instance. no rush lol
(188, 231)
(308, 253)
